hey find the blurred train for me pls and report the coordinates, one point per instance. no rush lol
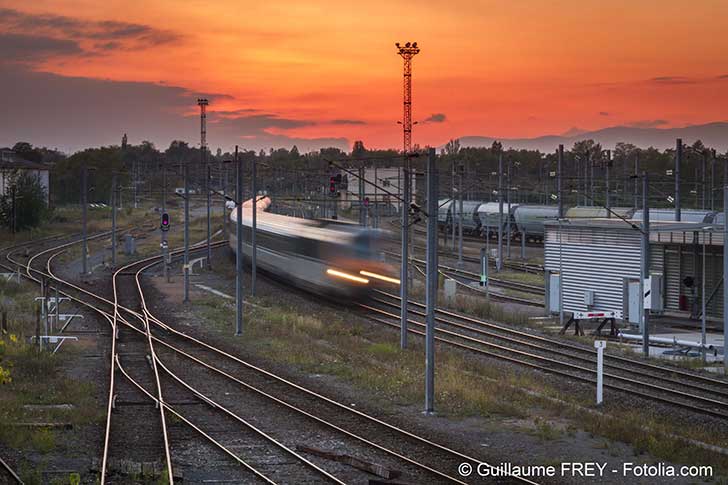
(327, 257)
(481, 218)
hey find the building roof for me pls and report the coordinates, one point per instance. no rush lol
(10, 160)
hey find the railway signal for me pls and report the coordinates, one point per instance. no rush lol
(332, 186)
(164, 225)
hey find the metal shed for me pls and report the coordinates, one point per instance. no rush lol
(598, 263)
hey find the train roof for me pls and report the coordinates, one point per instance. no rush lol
(686, 215)
(598, 212)
(324, 230)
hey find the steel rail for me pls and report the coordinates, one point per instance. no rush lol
(267, 373)
(11, 472)
(165, 435)
(568, 345)
(555, 351)
(495, 296)
(164, 405)
(561, 364)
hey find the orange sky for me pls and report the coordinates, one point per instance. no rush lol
(497, 68)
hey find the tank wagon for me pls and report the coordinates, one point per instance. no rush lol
(686, 215)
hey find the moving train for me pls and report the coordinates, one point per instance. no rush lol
(480, 218)
(327, 257)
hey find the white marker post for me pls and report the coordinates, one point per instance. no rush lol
(600, 346)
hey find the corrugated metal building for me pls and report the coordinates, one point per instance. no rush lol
(603, 257)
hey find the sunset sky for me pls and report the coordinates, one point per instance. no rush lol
(78, 73)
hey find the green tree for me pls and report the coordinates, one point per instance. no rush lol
(24, 201)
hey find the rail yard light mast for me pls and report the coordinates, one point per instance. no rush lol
(203, 103)
(407, 52)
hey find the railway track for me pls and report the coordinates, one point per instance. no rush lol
(370, 432)
(693, 392)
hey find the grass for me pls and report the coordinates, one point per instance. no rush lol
(36, 378)
(365, 357)
(520, 277)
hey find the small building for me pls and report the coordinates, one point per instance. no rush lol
(598, 263)
(11, 163)
(381, 188)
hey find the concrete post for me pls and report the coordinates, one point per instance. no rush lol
(253, 242)
(209, 220)
(606, 180)
(186, 267)
(404, 266)
(725, 279)
(114, 203)
(499, 262)
(558, 181)
(431, 297)
(238, 245)
(84, 210)
(678, 162)
(645, 266)
(460, 215)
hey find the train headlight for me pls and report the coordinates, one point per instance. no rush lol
(347, 276)
(382, 277)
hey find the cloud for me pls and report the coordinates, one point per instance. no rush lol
(34, 48)
(435, 118)
(724, 76)
(91, 36)
(603, 113)
(72, 113)
(648, 123)
(348, 122)
(672, 80)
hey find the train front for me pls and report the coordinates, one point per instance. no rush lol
(355, 266)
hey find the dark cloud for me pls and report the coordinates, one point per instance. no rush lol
(33, 48)
(672, 80)
(435, 118)
(75, 112)
(603, 113)
(255, 124)
(348, 122)
(648, 123)
(724, 76)
(90, 35)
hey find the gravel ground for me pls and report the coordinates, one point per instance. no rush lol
(495, 439)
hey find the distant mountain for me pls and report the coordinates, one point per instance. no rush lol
(714, 135)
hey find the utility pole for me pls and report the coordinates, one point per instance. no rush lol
(431, 282)
(361, 197)
(508, 204)
(645, 264)
(704, 175)
(636, 177)
(558, 181)
(606, 179)
(186, 266)
(712, 179)
(404, 266)
(452, 209)
(238, 245)
(163, 244)
(499, 262)
(460, 216)
(725, 272)
(203, 103)
(678, 162)
(209, 220)
(254, 253)
(84, 210)
(114, 202)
